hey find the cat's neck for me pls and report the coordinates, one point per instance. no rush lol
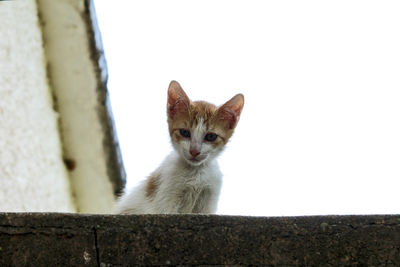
(176, 170)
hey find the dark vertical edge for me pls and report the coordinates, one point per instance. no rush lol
(114, 164)
(96, 244)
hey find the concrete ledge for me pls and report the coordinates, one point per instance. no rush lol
(106, 240)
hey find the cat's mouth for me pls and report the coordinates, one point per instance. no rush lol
(196, 161)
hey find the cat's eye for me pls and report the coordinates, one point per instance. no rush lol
(210, 137)
(184, 133)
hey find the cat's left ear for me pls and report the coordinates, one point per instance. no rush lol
(178, 101)
(229, 112)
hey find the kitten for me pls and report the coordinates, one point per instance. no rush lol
(189, 179)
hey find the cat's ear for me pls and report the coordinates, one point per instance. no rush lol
(178, 101)
(229, 113)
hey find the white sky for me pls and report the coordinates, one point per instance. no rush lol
(320, 129)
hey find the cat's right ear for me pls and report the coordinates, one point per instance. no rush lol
(178, 101)
(229, 113)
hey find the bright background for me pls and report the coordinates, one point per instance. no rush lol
(320, 129)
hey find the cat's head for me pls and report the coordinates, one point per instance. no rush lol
(200, 130)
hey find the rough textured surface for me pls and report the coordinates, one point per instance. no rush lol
(32, 174)
(73, 51)
(109, 240)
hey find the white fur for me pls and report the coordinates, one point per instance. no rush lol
(184, 186)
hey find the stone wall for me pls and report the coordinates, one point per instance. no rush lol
(127, 240)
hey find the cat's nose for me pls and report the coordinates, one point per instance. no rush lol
(194, 152)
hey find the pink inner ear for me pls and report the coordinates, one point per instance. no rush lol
(230, 111)
(178, 101)
(175, 108)
(229, 117)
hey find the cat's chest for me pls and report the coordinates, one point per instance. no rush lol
(198, 179)
(186, 181)
(179, 178)
(194, 191)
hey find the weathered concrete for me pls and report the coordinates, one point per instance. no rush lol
(98, 240)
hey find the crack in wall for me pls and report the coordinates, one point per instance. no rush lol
(96, 246)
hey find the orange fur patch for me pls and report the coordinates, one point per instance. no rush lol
(185, 114)
(152, 184)
(202, 110)
(208, 113)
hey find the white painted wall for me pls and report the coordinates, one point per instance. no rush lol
(32, 173)
(75, 82)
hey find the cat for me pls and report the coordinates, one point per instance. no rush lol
(189, 179)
